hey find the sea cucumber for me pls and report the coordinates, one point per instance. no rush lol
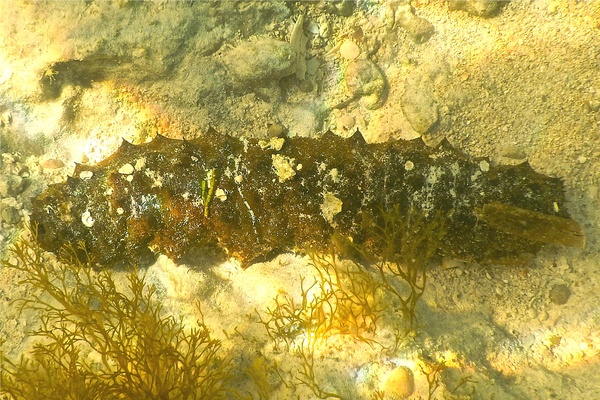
(251, 199)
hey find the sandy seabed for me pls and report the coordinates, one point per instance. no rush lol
(522, 84)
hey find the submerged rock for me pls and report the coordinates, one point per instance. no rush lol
(419, 103)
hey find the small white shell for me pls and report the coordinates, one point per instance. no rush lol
(86, 219)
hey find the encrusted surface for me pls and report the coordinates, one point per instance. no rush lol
(253, 201)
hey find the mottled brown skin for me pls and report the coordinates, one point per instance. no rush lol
(264, 214)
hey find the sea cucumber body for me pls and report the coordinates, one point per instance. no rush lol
(253, 199)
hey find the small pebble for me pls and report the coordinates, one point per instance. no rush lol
(52, 163)
(220, 194)
(312, 65)
(562, 263)
(313, 28)
(274, 130)
(260, 61)
(418, 28)
(400, 384)
(559, 294)
(82, 158)
(349, 50)
(528, 341)
(347, 121)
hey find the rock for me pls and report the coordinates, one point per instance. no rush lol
(419, 103)
(419, 29)
(480, 8)
(260, 61)
(365, 80)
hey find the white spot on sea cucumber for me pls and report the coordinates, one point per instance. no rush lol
(335, 175)
(484, 166)
(156, 179)
(331, 206)
(220, 194)
(86, 219)
(140, 163)
(120, 211)
(284, 166)
(409, 165)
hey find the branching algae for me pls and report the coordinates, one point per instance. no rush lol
(97, 342)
